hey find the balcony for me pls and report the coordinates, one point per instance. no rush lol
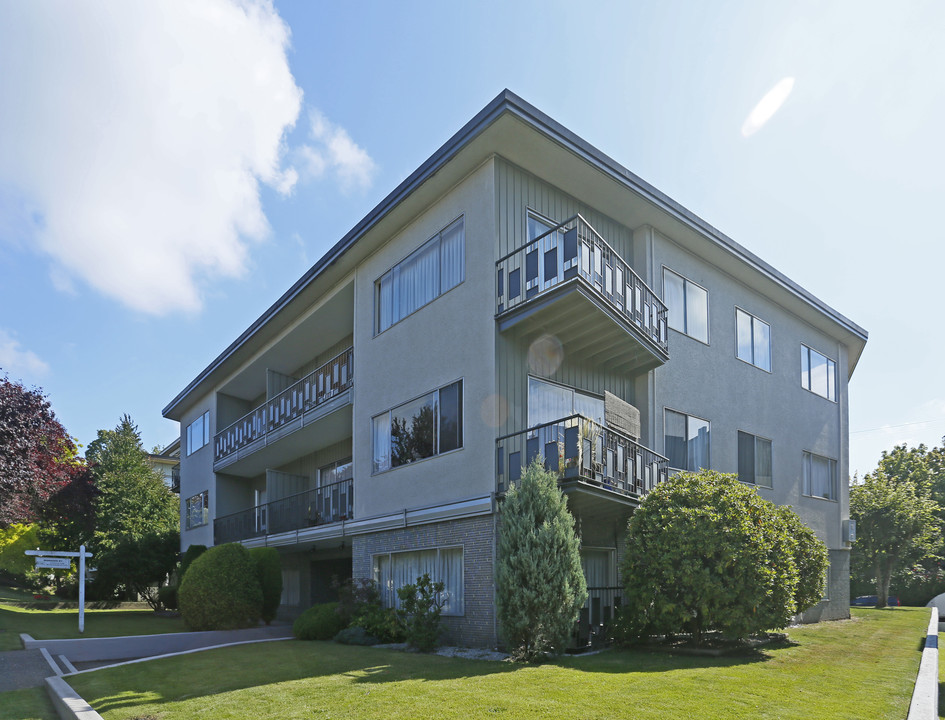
(311, 508)
(300, 405)
(570, 283)
(602, 470)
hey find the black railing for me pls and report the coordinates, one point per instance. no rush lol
(579, 448)
(316, 388)
(574, 249)
(318, 506)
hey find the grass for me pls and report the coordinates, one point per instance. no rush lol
(44, 624)
(861, 668)
(29, 704)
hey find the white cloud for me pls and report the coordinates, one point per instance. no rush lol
(18, 361)
(767, 106)
(333, 149)
(140, 133)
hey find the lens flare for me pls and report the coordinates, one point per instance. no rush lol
(768, 106)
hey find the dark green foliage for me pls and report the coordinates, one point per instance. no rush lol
(706, 553)
(319, 622)
(190, 554)
(269, 572)
(359, 604)
(540, 584)
(810, 558)
(220, 590)
(167, 596)
(355, 636)
(354, 594)
(420, 609)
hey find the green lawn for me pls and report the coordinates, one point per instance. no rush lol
(65, 624)
(29, 704)
(862, 668)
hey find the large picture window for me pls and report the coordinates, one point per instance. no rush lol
(754, 460)
(198, 433)
(435, 267)
(818, 373)
(753, 340)
(394, 570)
(429, 425)
(686, 441)
(197, 510)
(820, 476)
(687, 306)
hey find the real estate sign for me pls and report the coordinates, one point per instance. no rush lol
(59, 563)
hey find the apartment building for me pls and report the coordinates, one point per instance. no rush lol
(520, 294)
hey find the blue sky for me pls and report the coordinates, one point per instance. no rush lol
(168, 170)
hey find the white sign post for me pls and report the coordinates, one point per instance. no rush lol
(61, 559)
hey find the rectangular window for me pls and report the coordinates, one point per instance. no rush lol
(198, 433)
(429, 425)
(335, 472)
(820, 476)
(752, 340)
(686, 441)
(197, 510)
(548, 402)
(435, 267)
(754, 460)
(687, 306)
(818, 373)
(394, 570)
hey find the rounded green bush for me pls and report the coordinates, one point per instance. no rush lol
(220, 590)
(319, 622)
(269, 572)
(190, 554)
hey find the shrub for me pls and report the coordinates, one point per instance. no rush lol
(269, 572)
(355, 636)
(810, 558)
(359, 604)
(319, 622)
(540, 584)
(167, 596)
(220, 590)
(705, 552)
(420, 609)
(190, 554)
(354, 594)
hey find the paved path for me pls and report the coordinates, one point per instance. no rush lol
(22, 669)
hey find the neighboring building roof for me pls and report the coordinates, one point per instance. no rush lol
(497, 130)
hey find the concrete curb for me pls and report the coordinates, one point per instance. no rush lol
(925, 695)
(68, 703)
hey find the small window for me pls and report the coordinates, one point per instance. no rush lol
(754, 460)
(818, 373)
(429, 425)
(820, 476)
(197, 510)
(198, 433)
(752, 340)
(687, 306)
(686, 441)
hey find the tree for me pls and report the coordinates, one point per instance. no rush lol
(540, 584)
(896, 523)
(706, 552)
(137, 533)
(37, 456)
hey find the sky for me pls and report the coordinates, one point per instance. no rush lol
(168, 170)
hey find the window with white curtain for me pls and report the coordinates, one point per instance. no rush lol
(820, 476)
(686, 441)
(394, 570)
(754, 459)
(818, 373)
(548, 402)
(435, 267)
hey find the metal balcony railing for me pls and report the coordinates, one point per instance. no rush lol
(574, 249)
(318, 506)
(316, 388)
(577, 447)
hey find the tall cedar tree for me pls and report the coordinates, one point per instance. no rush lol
(540, 584)
(137, 533)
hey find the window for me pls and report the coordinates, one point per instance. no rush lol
(431, 424)
(818, 373)
(687, 306)
(198, 433)
(435, 267)
(548, 402)
(752, 340)
(197, 510)
(394, 570)
(686, 441)
(754, 460)
(335, 472)
(820, 476)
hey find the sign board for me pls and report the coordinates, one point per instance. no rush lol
(60, 563)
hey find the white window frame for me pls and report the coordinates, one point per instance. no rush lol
(686, 283)
(752, 360)
(688, 416)
(201, 513)
(807, 476)
(389, 594)
(754, 473)
(807, 377)
(203, 435)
